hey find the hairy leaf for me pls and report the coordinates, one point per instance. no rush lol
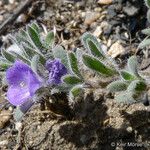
(34, 37)
(21, 110)
(17, 40)
(146, 31)
(90, 42)
(127, 76)
(125, 97)
(35, 26)
(144, 43)
(73, 64)
(117, 86)
(34, 63)
(137, 86)
(79, 54)
(94, 64)
(32, 51)
(76, 91)
(147, 2)
(71, 79)
(133, 65)
(7, 55)
(49, 40)
(4, 64)
(59, 52)
(148, 15)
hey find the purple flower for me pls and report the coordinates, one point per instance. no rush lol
(56, 71)
(23, 83)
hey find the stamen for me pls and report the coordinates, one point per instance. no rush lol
(22, 84)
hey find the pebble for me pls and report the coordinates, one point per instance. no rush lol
(111, 13)
(91, 17)
(2, 143)
(98, 31)
(18, 125)
(1, 18)
(116, 49)
(4, 118)
(129, 129)
(130, 11)
(11, 1)
(104, 25)
(22, 18)
(105, 2)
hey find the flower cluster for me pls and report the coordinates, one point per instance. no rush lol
(56, 71)
(23, 82)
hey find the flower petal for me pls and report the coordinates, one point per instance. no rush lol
(33, 83)
(17, 95)
(17, 73)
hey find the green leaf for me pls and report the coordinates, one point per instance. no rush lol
(4, 64)
(79, 54)
(137, 86)
(59, 52)
(125, 97)
(147, 2)
(22, 36)
(34, 37)
(71, 79)
(21, 57)
(127, 76)
(76, 91)
(133, 65)
(49, 40)
(34, 63)
(91, 43)
(117, 86)
(17, 40)
(18, 114)
(31, 52)
(146, 31)
(35, 27)
(144, 43)
(21, 110)
(148, 15)
(7, 55)
(94, 64)
(73, 64)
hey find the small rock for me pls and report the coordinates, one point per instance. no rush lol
(98, 31)
(116, 49)
(1, 18)
(111, 12)
(90, 17)
(104, 25)
(5, 116)
(105, 2)
(129, 129)
(131, 11)
(98, 9)
(11, 1)
(18, 126)
(22, 18)
(2, 143)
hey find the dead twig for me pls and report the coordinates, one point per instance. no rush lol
(14, 16)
